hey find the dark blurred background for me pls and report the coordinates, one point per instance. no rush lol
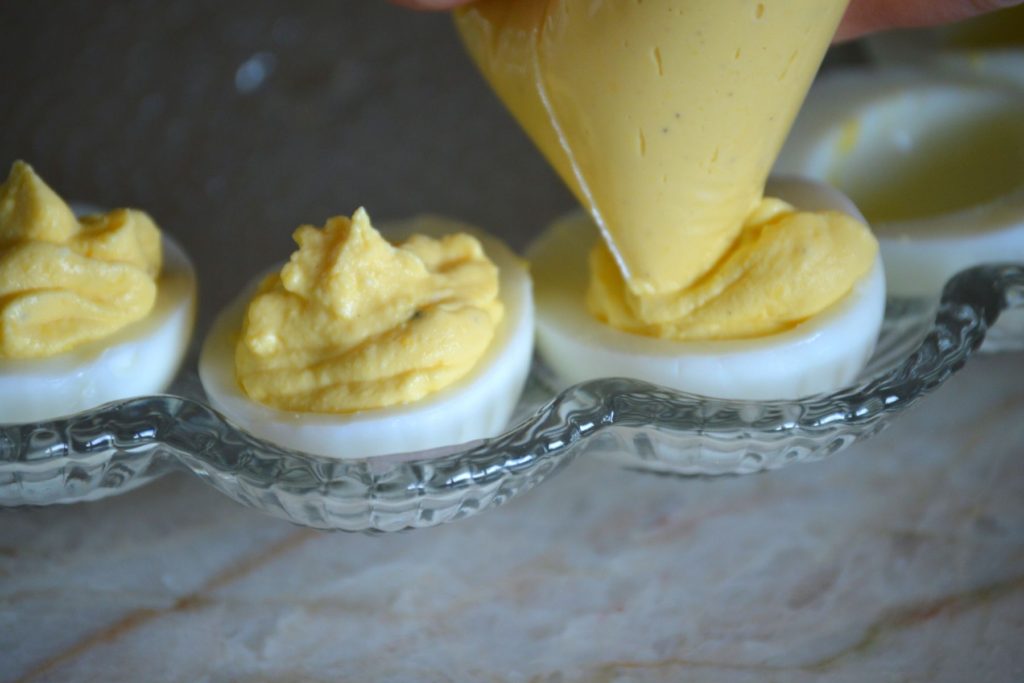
(234, 121)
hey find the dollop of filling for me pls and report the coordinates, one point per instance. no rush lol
(664, 118)
(785, 267)
(63, 281)
(353, 322)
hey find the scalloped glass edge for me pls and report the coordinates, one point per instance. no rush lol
(122, 445)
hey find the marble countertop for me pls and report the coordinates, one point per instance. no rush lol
(901, 559)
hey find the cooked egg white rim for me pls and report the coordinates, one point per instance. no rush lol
(109, 368)
(928, 49)
(920, 253)
(833, 346)
(815, 145)
(477, 406)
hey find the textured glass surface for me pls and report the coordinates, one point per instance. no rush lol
(125, 444)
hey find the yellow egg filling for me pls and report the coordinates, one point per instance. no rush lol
(664, 118)
(65, 282)
(353, 322)
(785, 267)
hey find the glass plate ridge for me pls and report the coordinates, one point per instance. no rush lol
(125, 444)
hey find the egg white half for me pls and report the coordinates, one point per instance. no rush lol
(477, 406)
(819, 355)
(860, 126)
(932, 49)
(138, 360)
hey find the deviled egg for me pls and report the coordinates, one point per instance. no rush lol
(419, 344)
(821, 353)
(95, 309)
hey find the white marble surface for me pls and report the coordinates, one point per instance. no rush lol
(902, 559)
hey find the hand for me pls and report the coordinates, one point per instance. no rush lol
(863, 16)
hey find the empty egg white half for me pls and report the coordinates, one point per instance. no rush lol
(140, 359)
(819, 355)
(965, 49)
(935, 163)
(477, 406)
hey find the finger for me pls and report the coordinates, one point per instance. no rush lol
(868, 16)
(431, 5)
